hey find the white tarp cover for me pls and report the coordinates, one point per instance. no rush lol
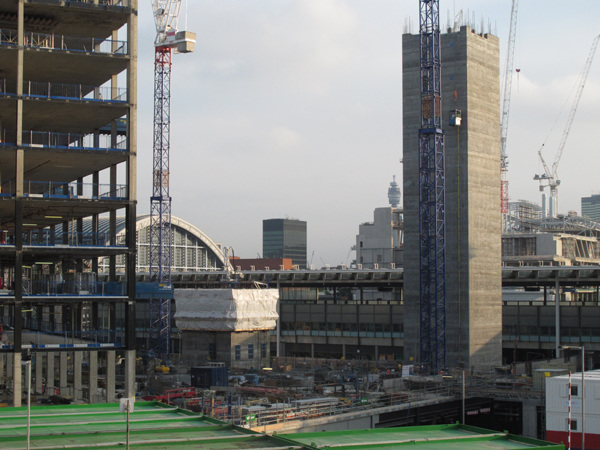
(226, 309)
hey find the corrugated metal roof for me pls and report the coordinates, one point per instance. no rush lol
(196, 237)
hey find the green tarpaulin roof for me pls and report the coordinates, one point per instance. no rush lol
(157, 426)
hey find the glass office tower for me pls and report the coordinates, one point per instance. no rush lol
(590, 207)
(285, 238)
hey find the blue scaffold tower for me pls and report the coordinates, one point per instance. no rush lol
(432, 222)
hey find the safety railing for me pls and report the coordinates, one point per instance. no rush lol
(63, 91)
(118, 3)
(73, 141)
(48, 238)
(70, 288)
(307, 409)
(72, 190)
(98, 339)
(61, 42)
(81, 239)
(122, 3)
(53, 288)
(332, 333)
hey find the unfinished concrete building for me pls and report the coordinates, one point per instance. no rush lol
(550, 249)
(232, 326)
(470, 83)
(523, 210)
(67, 154)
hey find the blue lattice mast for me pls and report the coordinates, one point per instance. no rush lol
(432, 227)
(166, 14)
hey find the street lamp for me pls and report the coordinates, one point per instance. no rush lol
(576, 347)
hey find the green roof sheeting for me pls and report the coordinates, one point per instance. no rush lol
(428, 437)
(154, 425)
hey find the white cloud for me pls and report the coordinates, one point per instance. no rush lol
(295, 106)
(284, 138)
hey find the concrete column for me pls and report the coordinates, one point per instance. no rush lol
(2, 376)
(112, 320)
(344, 351)
(77, 360)
(278, 323)
(62, 371)
(557, 318)
(110, 376)
(9, 367)
(132, 38)
(130, 212)
(51, 318)
(19, 174)
(93, 377)
(17, 382)
(20, 156)
(130, 373)
(50, 373)
(312, 350)
(39, 372)
(530, 418)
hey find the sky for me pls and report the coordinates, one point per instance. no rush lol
(293, 108)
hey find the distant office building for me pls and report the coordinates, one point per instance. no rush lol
(379, 243)
(285, 238)
(590, 207)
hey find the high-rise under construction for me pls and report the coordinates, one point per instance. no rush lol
(470, 85)
(67, 154)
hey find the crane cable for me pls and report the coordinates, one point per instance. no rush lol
(560, 113)
(580, 85)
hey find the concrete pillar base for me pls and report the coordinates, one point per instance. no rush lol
(77, 360)
(39, 372)
(2, 366)
(130, 373)
(17, 382)
(50, 385)
(9, 368)
(63, 384)
(93, 378)
(110, 376)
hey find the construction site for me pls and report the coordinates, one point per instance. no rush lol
(480, 303)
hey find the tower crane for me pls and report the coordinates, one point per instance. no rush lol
(550, 176)
(168, 39)
(510, 53)
(432, 219)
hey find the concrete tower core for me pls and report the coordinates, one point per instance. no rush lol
(470, 83)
